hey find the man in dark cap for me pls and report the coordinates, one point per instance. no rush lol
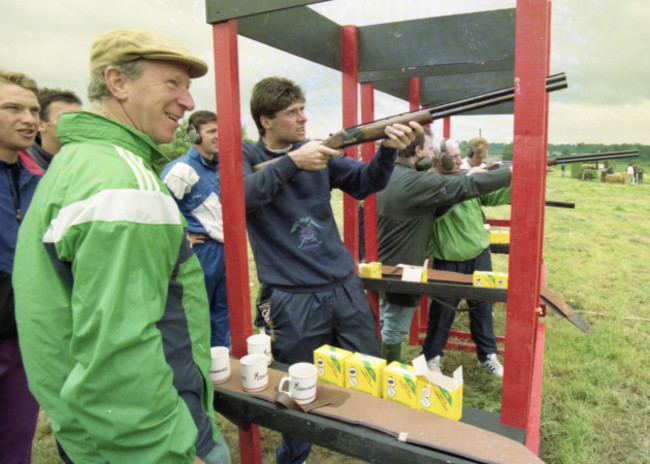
(116, 335)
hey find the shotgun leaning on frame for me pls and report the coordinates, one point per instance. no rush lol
(375, 130)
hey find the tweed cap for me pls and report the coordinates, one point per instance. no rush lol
(124, 45)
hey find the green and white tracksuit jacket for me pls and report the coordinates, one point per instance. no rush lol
(111, 304)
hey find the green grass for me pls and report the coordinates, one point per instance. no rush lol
(596, 394)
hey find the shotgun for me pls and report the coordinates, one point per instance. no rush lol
(374, 130)
(583, 158)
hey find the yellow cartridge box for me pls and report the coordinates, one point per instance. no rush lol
(400, 384)
(441, 395)
(330, 364)
(364, 373)
(372, 270)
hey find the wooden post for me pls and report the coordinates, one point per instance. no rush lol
(368, 150)
(349, 70)
(234, 210)
(527, 212)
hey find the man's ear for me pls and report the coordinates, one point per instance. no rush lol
(41, 125)
(266, 122)
(116, 83)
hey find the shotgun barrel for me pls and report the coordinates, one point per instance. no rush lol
(583, 158)
(374, 130)
(586, 157)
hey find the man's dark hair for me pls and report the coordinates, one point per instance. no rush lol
(418, 142)
(48, 96)
(271, 95)
(198, 118)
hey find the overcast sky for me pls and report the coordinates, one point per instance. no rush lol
(600, 44)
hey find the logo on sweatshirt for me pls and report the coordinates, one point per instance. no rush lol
(307, 232)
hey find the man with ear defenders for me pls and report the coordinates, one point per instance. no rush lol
(193, 180)
(405, 211)
(458, 243)
(477, 152)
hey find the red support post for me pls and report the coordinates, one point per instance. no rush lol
(446, 127)
(527, 212)
(367, 92)
(350, 78)
(234, 210)
(420, 315)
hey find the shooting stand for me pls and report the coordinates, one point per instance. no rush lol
(370, 58)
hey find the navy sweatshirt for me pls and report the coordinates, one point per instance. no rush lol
(291, 227)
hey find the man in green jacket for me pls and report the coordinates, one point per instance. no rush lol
(405, 211)
(459, 243)
(111, 305)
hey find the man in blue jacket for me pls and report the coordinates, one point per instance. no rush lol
(18, 124)
(193, 180)
(307, 273)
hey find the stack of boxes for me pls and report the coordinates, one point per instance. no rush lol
(401, 383)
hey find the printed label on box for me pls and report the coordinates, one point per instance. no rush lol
(364, 373)
(330, 364)
(400, 384)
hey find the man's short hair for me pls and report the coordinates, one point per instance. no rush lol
(271, 95)
(19, 79)
(418, 142)
(97, 88)
(477, 146)
(198, 118)
(449, 144)
(48, 96)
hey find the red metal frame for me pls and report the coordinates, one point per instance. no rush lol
(367, 90)
(521, 394)
(234, 210)
(531, 63)
(349, 96)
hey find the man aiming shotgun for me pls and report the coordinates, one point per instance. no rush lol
(375, 130)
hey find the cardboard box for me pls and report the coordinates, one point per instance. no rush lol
(330, 364)
(483, 279)
(414, 273)
(400, 384)
(501, 279)
(438, 393)
(372, 270)
(364, 373)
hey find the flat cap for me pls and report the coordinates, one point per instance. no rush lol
(124, 45)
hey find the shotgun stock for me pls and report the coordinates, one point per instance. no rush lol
(374, 130)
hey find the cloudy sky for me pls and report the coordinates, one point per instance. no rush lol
(600, 44)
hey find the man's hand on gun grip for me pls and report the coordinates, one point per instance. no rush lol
(312, 156)
(400, 136)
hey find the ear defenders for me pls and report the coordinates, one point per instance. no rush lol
(447, 161)
(470, 152)
(193, 135)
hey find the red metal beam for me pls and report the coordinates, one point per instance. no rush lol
(367, 92)
(350, 77)
(226, 76)
(446, 127)
(527, 210)
(534, 415)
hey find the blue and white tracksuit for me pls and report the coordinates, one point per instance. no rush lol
(194, 184)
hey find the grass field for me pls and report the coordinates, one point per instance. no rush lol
(596, 394)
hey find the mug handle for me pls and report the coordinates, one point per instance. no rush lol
(283, 381)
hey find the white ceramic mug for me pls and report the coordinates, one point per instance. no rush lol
(260, 343)
(220, 367)
(302, 383)
(254, 372)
